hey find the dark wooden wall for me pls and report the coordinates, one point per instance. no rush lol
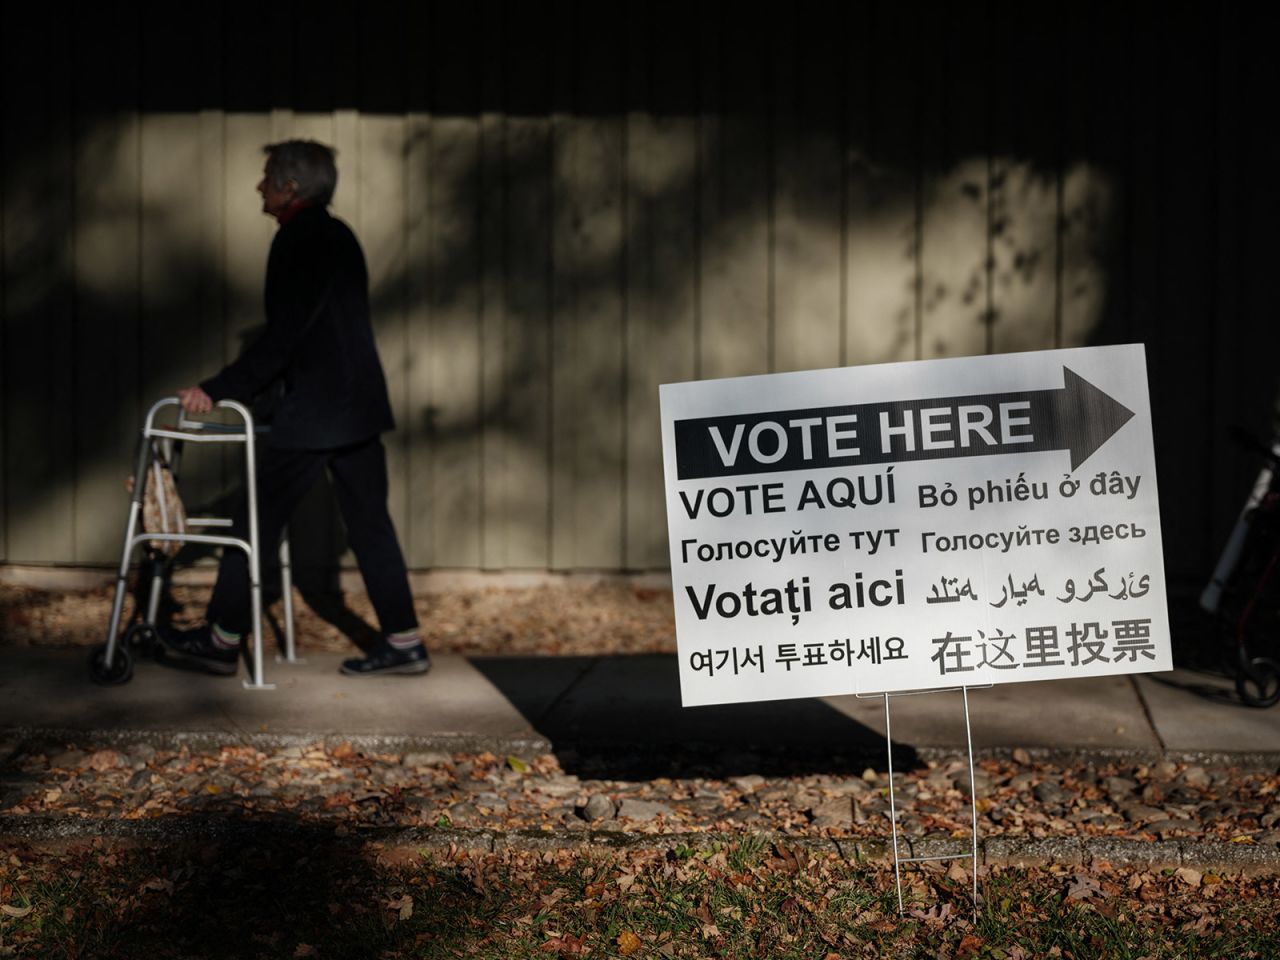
(566, 204)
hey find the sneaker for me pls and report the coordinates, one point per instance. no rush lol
(385, 659)
(195, 648)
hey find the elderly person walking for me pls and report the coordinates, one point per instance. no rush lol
(318, 342)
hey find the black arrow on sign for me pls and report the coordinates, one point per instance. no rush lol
(1078, 417)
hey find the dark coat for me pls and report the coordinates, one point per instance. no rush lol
(318, 340)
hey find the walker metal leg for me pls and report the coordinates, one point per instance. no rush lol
(157, 588)
(122, 573)
(255, 564)
(257, 682)
(286, 585)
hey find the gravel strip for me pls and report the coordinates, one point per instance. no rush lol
(1169, 810)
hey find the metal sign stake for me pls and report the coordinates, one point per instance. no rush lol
(972, 855)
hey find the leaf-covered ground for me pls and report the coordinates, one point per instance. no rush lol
(285, 898)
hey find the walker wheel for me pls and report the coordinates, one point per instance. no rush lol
(121, 670)
(143, 638)
(1258, 682)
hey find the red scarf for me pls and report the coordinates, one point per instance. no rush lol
(292, 211)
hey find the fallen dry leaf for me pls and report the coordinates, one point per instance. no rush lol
(304, 950)
(935, 915)
(1082, 887)
(103, 760)
(404, 905)
(628, 943)
(554, 897)
(565, 945)
(1189, 876)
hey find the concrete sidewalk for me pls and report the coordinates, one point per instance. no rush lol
(522, 704)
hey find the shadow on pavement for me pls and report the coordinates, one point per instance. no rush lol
(620, 717)
(1215, 687)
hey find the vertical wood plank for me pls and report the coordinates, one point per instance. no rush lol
(1143, 254)
(954, 295)
(1232, 367)
(492, 320)
(524, 480)
(417, 539)
(1023, 186)
(346, 141)
(1095, 116)
(381, 185)
(563, 292)
(736, 332)
(382, 235)
(105, 241)
(39, 361)
(661, 341)
(1183, 303)
(456, 354)
(807, 200)
(588, 363)
(881, 189)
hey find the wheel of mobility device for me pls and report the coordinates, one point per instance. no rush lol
(142, 637)
(1258, 682)
(121, 670)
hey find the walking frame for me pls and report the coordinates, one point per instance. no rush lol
(111, 663)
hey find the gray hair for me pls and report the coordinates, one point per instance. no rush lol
(308, 164)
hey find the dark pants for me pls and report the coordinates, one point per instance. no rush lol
(359, 475)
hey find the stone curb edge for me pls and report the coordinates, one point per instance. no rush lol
(1244, 859)
(13, 738)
